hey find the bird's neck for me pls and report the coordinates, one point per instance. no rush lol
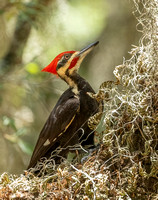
(75, 81)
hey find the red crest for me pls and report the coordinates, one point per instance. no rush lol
(51, 68)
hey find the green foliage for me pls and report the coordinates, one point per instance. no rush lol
(32, 68)
(25, 147)
(9, 122)
(15, 137)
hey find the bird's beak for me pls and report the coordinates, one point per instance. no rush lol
(80, 55)
(87, 49)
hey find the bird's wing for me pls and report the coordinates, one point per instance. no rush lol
(59, 120)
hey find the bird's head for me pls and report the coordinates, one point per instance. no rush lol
(68, 62)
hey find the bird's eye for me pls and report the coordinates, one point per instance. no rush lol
(66, 56)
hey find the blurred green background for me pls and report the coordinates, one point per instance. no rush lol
(32, 33)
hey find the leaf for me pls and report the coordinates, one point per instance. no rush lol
(25, 147)
(21, 131)
(9, 122)
(32, 68)
(11, 138)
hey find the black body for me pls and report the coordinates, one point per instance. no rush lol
(67, 124)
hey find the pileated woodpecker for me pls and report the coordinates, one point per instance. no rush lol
(67, 124)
